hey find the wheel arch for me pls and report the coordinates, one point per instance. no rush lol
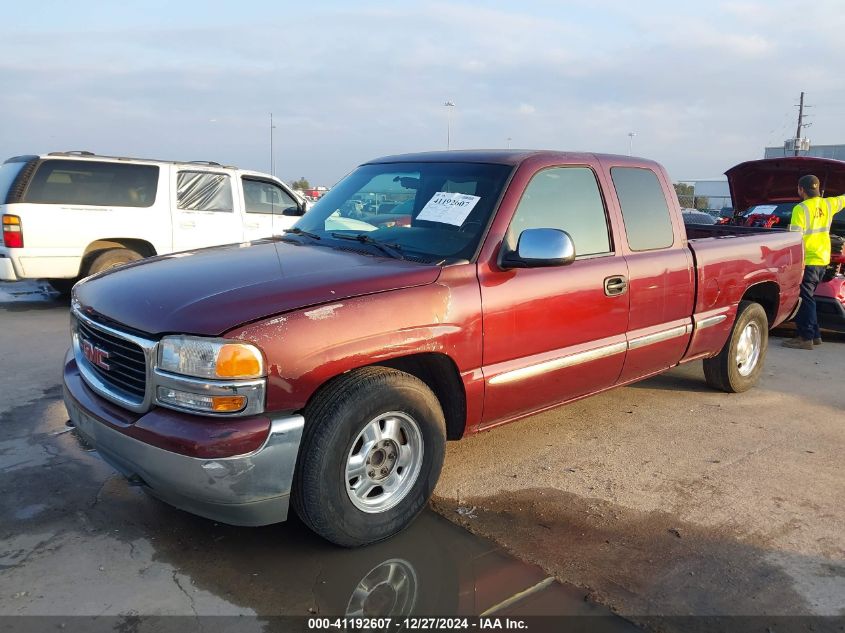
(142, 247)
(767, 294)
(440, 374)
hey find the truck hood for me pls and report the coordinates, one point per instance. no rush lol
(774, 180)
(210, 291)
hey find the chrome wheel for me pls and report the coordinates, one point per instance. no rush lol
(748, 349)
(384, 462)
(388, 589)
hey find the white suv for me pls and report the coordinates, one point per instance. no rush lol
(67, 215)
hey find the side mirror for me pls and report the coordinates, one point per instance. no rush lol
(540, 248)
(298, 210)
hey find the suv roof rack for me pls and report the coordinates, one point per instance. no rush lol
(85, 153)
(75, 152)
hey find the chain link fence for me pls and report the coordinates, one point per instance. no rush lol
(709, 204)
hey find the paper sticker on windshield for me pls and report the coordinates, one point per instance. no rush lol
(448, 208)
(764, 209)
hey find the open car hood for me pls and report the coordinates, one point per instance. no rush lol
(775, 180)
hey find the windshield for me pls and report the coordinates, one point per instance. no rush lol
(423, 211)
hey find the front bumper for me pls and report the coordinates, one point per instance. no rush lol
(830, 313)
(250, 489)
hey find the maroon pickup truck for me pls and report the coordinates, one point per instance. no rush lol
(328, 366)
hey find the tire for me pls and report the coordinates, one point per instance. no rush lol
(369, 427)
(111, 258)
(62, 286)
(738, 366)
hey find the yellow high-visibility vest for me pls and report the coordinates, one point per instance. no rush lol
(813, 218)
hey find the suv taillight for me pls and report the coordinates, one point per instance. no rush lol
(12, 232)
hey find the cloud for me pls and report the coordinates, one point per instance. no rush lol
(703, 86)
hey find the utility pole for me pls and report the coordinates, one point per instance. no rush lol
(449, 105)
(798, 143)
(272, 158)
(800, 124)
(631, 136)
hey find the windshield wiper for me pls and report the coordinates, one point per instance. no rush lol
(391, 250)
(298, 231)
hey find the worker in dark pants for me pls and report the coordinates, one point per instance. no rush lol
(813, 218)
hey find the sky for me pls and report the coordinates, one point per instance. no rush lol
(702, 85)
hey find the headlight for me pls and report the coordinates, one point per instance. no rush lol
(211, 376)
(209, 358)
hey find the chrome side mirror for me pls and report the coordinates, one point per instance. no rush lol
(539, 248)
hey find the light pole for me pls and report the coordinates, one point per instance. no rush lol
(631, 136)
(448, 105)
(509, 142)
(272, 159)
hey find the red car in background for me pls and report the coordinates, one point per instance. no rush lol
(765, 192)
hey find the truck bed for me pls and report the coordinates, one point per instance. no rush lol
(730, 259)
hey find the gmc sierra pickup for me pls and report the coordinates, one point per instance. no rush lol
(329, 366)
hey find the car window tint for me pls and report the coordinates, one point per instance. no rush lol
(565, 198)
(203, 191)
(261, 196)
(93, 183)
(645, 213)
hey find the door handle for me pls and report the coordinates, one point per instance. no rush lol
(188, 225)
(252, 226)
(615, 285)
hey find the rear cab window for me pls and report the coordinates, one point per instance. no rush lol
(204, 191)
(569, 199)
(93, 183)
(648, 223)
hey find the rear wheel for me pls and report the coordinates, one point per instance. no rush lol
(111, 258)
(370, 457)
(738, 366)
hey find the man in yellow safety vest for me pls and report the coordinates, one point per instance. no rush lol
(813, 218)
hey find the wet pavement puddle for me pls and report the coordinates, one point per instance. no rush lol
(78, 539)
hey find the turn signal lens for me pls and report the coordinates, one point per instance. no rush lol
(201, 402)
(238, 361)
(227, 404)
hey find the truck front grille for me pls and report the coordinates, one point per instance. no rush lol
(118, 364)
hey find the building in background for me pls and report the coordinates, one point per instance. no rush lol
(836, 152)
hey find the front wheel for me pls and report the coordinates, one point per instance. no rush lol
(370, 457)
(738, 366)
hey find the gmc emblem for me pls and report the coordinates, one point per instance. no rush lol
(93, 354)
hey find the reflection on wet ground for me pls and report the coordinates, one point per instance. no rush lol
(77, 539)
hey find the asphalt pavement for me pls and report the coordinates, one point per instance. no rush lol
(662, 498)
(77, 540)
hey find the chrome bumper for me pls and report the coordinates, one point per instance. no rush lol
(252, 489)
